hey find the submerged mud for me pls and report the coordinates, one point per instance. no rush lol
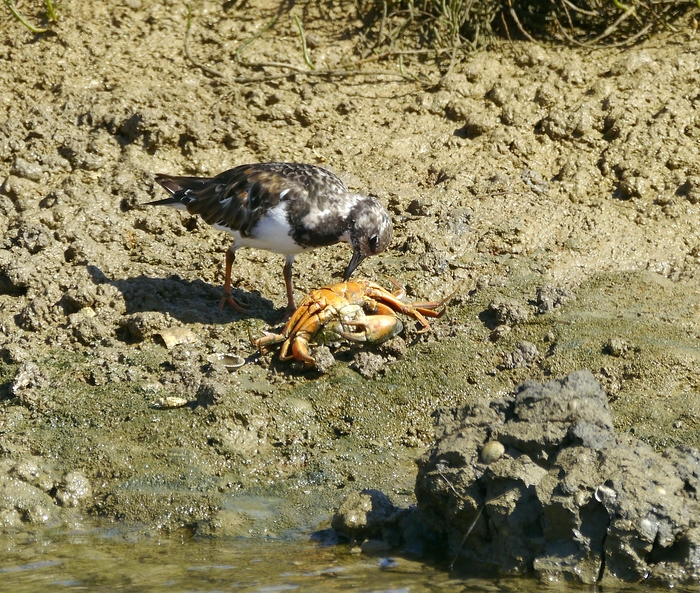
(554, 191)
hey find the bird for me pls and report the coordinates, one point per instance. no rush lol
(285, 208)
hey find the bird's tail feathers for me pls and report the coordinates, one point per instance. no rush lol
(171, 201)
(176, 183)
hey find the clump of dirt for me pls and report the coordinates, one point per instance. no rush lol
(523, 167)
(564, 496)
(540, 482)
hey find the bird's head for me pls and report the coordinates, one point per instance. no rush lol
(371, 232)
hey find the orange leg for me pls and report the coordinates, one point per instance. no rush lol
(227, 298)
(430, 308)
(309, 309)
(388, 299)
(300, 351)
(426, 307)
(302, 332)
(416, 310)
(400, 291)
(263, 344)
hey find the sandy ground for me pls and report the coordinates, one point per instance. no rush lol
(556, 191)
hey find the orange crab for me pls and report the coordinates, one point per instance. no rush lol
(362, 305)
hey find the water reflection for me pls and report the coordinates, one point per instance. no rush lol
(140, 563)
(99, 561)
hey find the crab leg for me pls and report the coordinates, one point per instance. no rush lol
(389, 299)
(304, 313)
(304, 329)
(400, 291)
(266, 341)
(300, 350)
(430, 308)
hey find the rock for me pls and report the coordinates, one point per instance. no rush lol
(362, 514)
(14, 354)
(34, 238)
(395, 348)
(551, 297)
(323, 359)
(509, 312)
(616, 347)
(210, 392)
(492, 451)
(32, 471)
(37, 315)
(27, 169)
(74, 488)
(23, 503)
(142, 325)
(86, 327)
(16, 273)
(570, 500)
(29, 385)
(476, 121)
(535, 181)
(368, 364)
(524, 354)
(79, 297)
(500, 331)
(417, 208)
(691, 189)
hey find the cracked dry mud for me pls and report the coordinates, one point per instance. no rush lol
(562, 184)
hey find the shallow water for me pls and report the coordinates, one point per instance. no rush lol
(102, 561)
(112, 560)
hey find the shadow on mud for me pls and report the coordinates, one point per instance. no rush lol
(187, 301)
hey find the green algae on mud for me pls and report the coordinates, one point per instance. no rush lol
(290, 438)
(522, 167)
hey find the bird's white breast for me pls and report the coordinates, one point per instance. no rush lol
(271, 233)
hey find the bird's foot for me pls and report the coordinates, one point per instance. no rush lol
(227, 298)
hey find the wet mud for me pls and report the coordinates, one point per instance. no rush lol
(540, 482)
(555, 191)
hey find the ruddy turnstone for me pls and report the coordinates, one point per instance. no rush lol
(286, 208)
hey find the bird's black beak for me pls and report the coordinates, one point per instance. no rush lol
(355, 261)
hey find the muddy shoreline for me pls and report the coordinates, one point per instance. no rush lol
(555, 190)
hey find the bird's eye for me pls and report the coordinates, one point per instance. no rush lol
(373, 243)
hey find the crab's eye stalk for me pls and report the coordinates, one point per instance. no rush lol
(373, 243)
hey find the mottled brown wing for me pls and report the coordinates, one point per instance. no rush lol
(239, 197)
(316, 181)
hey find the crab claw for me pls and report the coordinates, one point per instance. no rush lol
(374, 329)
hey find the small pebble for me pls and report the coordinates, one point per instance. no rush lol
(170, 402)
(499, 332)
(27, 170)
(616, 347)
(492, 451)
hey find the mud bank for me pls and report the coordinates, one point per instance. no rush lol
(554, 190)
(541, 483)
